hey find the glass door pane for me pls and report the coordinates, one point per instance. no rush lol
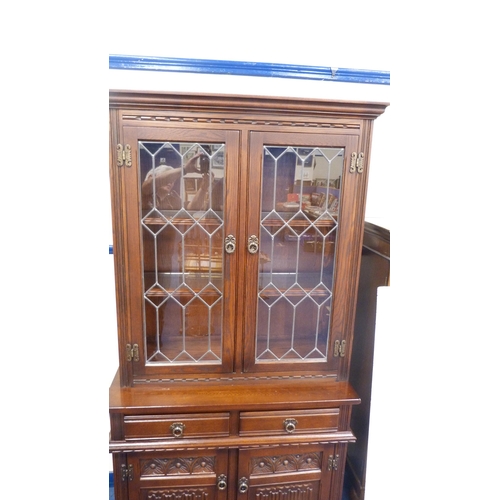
(298, 230)
(182, 229)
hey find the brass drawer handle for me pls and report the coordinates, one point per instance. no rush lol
(177, 429)
(290, 425)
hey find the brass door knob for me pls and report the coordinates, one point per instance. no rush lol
(253, 244)
(243, 485)
(230, 243)
(222, 482)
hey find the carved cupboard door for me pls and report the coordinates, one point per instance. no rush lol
(178, 475)
(302, 472)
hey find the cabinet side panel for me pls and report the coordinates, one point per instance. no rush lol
(374, 273)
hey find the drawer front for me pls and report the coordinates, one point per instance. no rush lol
(288, 422)
(176, 426)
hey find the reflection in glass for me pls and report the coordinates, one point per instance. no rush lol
(300, 205)
(182, 197)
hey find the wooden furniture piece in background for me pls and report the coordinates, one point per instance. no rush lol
(236, 304)
(375, 272)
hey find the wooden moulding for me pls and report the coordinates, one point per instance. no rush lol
(244, 104)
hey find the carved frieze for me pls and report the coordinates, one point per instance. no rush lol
(292, 492)
(242, 121)
(286, 463)
(178, 494)
(177, 466)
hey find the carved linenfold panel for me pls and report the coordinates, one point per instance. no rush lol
(292, 492)
(177, 466)
(176, 494)
(286, 463)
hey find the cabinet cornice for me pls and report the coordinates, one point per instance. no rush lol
(215, 103)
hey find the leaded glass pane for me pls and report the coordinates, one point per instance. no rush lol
(182, 225)
(300, 206)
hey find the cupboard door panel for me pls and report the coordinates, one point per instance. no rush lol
(292, 278)
(300, 472)
(178, 217)
(178, 475)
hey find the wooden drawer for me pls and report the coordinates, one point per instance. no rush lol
(176, 426)
(288, 422)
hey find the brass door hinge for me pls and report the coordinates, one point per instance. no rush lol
(333, 463)
(339, 348)
(127, 473)
(357, 163)
(123, 155)
(132, 352)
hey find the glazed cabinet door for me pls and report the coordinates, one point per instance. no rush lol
(301, 472)
(180, 475)
(301, 257)
(178, 202)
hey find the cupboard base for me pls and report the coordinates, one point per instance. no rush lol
(231, 441)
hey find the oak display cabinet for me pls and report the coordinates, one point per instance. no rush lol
(238, 226)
